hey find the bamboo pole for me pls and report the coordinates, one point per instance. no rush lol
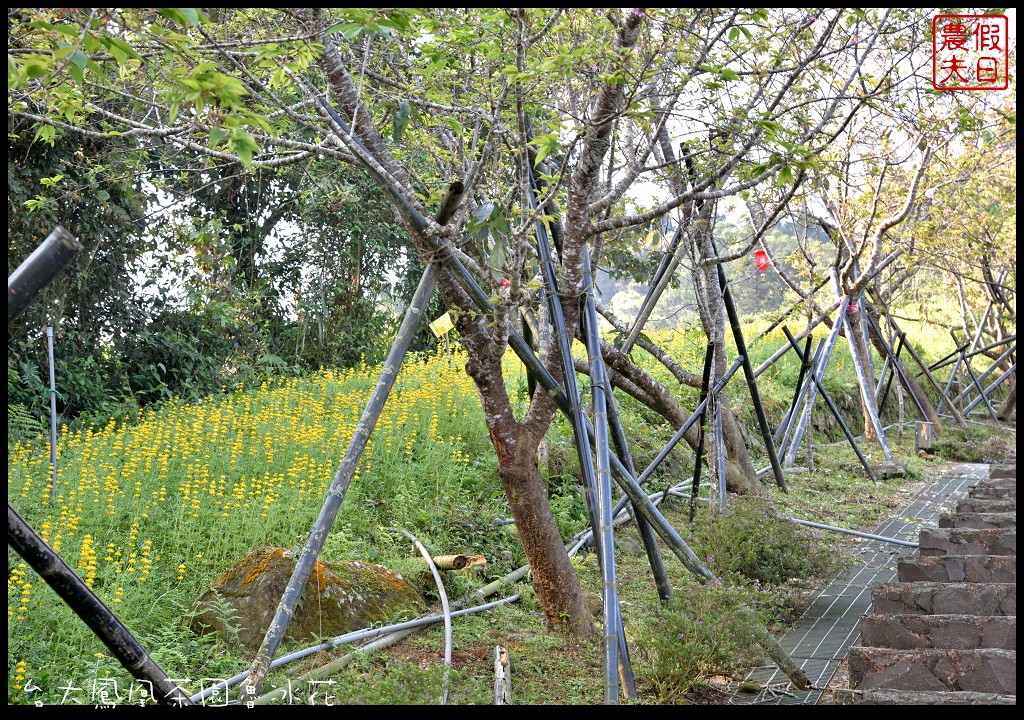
(84, 602)
(812, 364)
(598, 393)
(719, 453)
(835, 412)
(981, 378)
(53, 417)
(748, 372)
(818, 374)
(952, 376)
(647, 535)
(946, 360)
(346, 469)
(977, 383)
(893, 372)
(897, 366)
(709, 354)
(927, 373)
(798, 390)
(38, 269)
(694, 417)
(661, 279)
(996, 383)
(603, 537)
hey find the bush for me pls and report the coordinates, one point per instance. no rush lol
(703, 631)
(750, 538)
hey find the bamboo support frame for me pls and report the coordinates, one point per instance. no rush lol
(981, 378)
(748, 372)
(552, 387)
(939, 364)
(996, 383)
(927, 373)
(595, 492)
(818, 374)
(974, 378)
(897, 367)
(347, 467)
(790, 424)
(797, 393)
(694, 417)
(835, 411)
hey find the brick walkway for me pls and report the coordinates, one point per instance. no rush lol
(821, 640)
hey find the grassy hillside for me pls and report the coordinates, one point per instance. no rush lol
(151, 512)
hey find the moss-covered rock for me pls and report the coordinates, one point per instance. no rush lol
(338, 598)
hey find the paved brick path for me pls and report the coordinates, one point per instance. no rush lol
(831, 625)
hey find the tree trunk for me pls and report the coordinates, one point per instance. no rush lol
(554, 580)
(859, 355)
(1011, 401)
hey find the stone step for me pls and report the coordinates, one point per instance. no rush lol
(979, 520)
(1002, 470)
(958, 568)
(935, 598)
(967, 541)
(982, 671)
(958, 632)
(986, 505)
(933, 697)
(987, 490)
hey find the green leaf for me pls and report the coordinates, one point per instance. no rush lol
(728, 75)
(401, 119)
(348, 30)
(78, 58)
(497, 258)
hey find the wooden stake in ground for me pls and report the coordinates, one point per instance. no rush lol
(502, 677)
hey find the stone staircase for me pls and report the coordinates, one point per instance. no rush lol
(945, 633)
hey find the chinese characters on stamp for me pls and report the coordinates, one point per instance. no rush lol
(970, 52)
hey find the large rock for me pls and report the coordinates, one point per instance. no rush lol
(339, 598)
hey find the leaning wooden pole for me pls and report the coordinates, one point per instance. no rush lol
(346, 469)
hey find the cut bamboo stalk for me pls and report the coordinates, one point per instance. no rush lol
(502, 677)
(456, 562)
